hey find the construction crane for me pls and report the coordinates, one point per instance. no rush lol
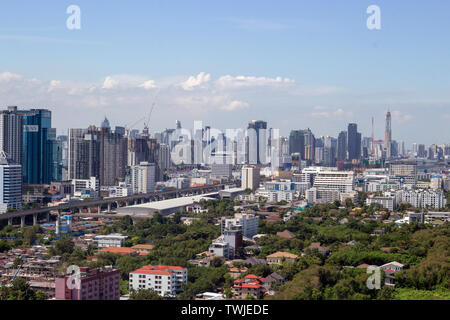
(146, 124)
(128, 128)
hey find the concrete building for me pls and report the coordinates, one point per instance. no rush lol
(245, 222)
(342, 181)
(165, 280)
(93, 284)
(388, 202)
(122, 190)
(250, 177)
(423, 198)
(110, 240)
(321, 196)
(80, 186)
(222, 170)
(143, 177)
(220, 248)
(11, 129)
(10, 184)
(403, 172)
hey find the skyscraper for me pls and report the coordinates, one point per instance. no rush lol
(11, 134)
(342, 146)
(257, 141)
(297, 142)
(354, 142)
(37, 151)
(388, 136)
(113, 156)
(310, 145)
(83, 153)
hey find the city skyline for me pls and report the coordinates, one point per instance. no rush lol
(292, 64)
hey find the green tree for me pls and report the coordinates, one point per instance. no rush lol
(145, 295)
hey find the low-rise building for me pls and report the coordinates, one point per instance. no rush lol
(250, 285)
(110, 240)
(280, 257)
(165, 280)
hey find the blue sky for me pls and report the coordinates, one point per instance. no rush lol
(332, 68)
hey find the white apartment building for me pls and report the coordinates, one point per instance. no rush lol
(165, 280)
(220, 248)
(143, 177)
(10, 184)
(81, 185)
(309, 174)
(110, 240)
(122, 190)
(277, 196)
(246, 222)
(342, 181)
(377, 186)
(423, 198)
(250, 177)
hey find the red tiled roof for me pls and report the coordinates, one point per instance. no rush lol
(251, 286)
(251, 276)
(238, 281)
(118, 250)
(158, 272)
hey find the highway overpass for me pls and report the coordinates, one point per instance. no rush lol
(107, 204)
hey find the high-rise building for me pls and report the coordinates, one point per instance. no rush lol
(421, 152)
(250, 177)
(388, 136)
(297, 142)
(10, 184)
(342, 146)
(257, 141)
(11, 134)
(143, 177)
(83, 153)
(37, 151)
(354, 142)
(113, 156)
(56, 152)
(310, 145)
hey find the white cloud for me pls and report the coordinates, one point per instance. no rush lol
(325, 112)
(234, 105)
(150, 84)
(400, 116)
(8, 76)
(230, 82)
(194, 82)
(110, 83)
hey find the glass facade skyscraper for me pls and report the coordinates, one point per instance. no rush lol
(37, 151)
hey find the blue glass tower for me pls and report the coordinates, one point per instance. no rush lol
(37, 151)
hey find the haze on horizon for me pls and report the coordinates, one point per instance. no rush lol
(293, 64)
